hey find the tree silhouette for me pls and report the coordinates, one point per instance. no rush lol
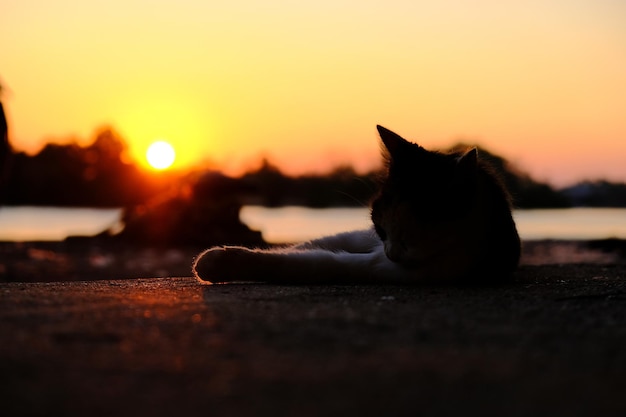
(5, 149)
(71, 175)
(525, 191)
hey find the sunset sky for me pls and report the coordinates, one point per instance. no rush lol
(542, 83)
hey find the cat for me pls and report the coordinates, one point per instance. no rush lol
(438, 218)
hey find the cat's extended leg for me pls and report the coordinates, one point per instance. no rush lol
(358, 241)
(316, 266)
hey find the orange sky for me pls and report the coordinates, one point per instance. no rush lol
(541, 82)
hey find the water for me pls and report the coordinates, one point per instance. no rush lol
(571, 224)
(294, 224)
(26, 223)
(297, 224)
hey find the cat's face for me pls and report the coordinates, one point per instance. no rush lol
(424, 202)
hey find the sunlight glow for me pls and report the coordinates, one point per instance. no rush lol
(305, 83)
(160, 155)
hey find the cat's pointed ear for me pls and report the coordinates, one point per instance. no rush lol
(392, 141)
(469, 160)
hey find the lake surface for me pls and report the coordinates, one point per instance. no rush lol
(26, 223)
(292, 224)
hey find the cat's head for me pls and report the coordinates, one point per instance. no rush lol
(425, 200)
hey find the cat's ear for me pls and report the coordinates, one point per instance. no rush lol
(392, 141)
(468, 162)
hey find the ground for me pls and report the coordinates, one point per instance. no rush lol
(548, 343)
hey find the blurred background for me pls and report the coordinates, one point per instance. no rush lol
(136, 133)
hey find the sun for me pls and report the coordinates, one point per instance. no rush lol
(160, 155)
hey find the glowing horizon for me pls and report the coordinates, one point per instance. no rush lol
(540, 83)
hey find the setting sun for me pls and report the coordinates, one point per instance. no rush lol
(160, 155)
(541, 83)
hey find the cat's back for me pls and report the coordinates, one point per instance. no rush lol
(502, 245)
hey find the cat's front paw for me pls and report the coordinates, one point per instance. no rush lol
(222, 264)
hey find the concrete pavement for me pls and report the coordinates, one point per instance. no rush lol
(550, 343)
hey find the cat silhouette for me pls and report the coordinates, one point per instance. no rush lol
(437, 218)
